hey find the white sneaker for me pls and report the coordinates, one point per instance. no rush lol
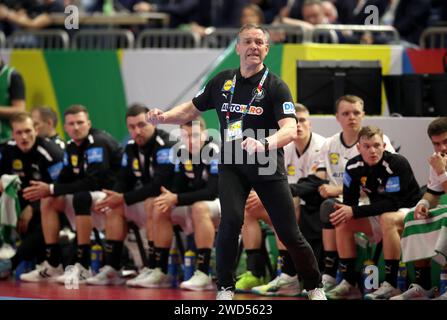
(317, 294)
(107, 276)
(7, 251)
(198, 282)
(157, 279)
(225, 294)
(43, 273)
(442, 296)
(135, 282)
(75, 273)
(344, 291)
(282, 285)
(415, 292)
(329, 282)
(385, 292)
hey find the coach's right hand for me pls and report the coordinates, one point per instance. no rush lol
(155, 116)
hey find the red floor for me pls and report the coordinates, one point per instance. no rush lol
(52, 291)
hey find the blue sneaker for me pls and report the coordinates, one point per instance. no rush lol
(5, 268)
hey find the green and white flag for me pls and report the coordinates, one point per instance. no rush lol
(9, 200)
(426, 238)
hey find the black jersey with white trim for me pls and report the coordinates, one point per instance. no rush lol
(272, 104)
(144, 169)
(43, 162)
(90, 166)
(196, 177)
(389, 185)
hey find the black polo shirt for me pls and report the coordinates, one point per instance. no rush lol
(271, 105)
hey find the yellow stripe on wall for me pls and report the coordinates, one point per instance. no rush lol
(38, 84)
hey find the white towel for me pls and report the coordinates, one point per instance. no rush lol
(9, 200)
(427, 238)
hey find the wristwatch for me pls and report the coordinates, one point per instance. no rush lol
(265, 142)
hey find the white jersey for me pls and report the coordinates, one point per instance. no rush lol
(335, 154)
(300, 166)
(434, 182)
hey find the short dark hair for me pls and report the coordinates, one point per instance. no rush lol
(370, 131)
(75, 109)
(46, 113)
(136, 109)
(437, 127)
(20, 117)
(190, 123)
(250, 26)
(348, 98)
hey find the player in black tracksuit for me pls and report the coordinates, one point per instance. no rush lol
(144, 170)
(43, 161)
(388, 181)
(91, 160)
(146, 165)
(192, 204)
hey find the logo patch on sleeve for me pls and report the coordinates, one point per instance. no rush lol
(124, 160)
(347, 179)
(214, 166)
(227, 85)
(393, 184)
(288, 108)
(163, 156)
(55, 170)
(95, 155)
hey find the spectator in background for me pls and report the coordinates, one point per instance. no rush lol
(45, 123)
(269, 8)
(12, 98)
(37, 17)
(330, 11)
(251, 13)
(312, 12)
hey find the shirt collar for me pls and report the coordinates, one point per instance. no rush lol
(254, 79)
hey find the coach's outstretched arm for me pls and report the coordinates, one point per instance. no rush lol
(178, 115)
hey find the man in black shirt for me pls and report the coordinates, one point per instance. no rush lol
(145, 168)
(191, 203)
(91, 160)
(388, 181)
(30, 158)
(45, 122)
(251, 104)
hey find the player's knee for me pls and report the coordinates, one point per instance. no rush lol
(326, 208)
(82, 203)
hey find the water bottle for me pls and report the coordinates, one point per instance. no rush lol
(96, 258)
(366, 280)
(402, 277)
(189, 264)
(443, 280)
(279, 264)
(173, 266)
